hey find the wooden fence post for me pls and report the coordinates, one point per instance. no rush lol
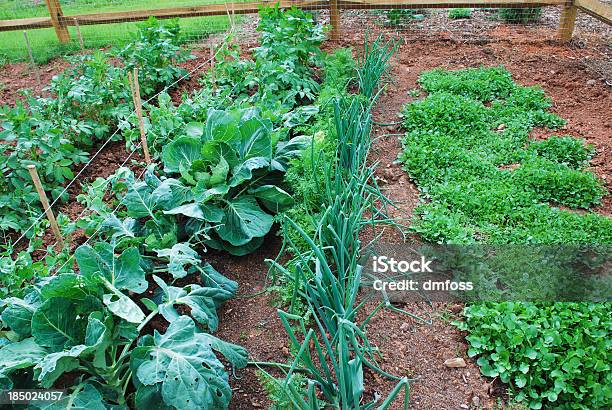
(135, 87)
(334, 19)
(55, 11)
(45, 203)
(567, 21)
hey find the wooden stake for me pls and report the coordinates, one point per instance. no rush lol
(567, 22)
(135, 87)
(45, 203)
(78, 30)
(212, 67)
(34, 66)
(229, 17)
(55, 11)
(334, 19)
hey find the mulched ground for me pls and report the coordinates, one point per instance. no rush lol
(572, 75)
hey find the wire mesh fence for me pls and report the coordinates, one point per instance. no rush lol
(81, 34)
(463, 20)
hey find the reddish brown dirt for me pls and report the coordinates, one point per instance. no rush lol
(251, 320)
(21, 76)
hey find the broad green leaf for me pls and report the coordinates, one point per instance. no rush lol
(244, 171)
(179, 193)
(20, 355)
(203, 194)
(144, 197)
(59, 324)
(273, 198)
(222, 126)
(56, 364)
(18, 313)
(286, 151)
(183, 150)
(150, 397)
(99, 335)
(67, 285)
(243, 221)
(192, 210)
(119, 228)
(122, 306)
(204, 212)
(213, 278)
(182, 361)
(256, 141)
(179, 257)
(202, 301)
(97, 339)
(219, 173)
(212, 151)
(123, 272)
(234, 354)
(161, 233)
(194, 129)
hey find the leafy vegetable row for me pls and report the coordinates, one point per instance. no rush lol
(85, 106)
(484, 180)
(220, 184)
(340, 197)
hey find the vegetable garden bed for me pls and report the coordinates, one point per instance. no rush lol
(145, 238)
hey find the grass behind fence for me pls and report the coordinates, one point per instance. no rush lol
(46, 46)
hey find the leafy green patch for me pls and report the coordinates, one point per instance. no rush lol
(484, 179)
(551, 355)
(232, 168)
(87, 102)
(155, 51)
(88, 324)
